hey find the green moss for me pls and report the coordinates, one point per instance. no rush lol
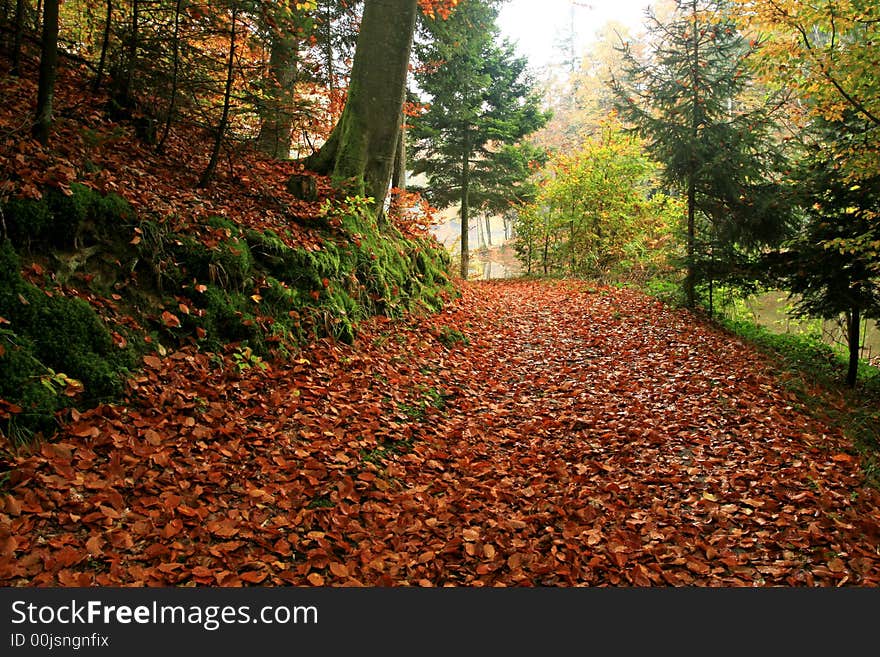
(69, 213)
(27, 220)
(60, 219)
(49, 334)
(229, 318)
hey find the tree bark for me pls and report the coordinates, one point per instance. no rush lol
(465, 214)
(175, 73)
(17, 37)
(48, 71)
(360, 151)
(690, 281)
(275, 138)
(124, 96)
(105, 43)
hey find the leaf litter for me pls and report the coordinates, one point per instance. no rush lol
(574, 436)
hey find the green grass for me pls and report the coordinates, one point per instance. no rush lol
(815, 371)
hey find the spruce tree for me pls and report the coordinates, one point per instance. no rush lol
(688, 102)
(831, 267)
(481, 100)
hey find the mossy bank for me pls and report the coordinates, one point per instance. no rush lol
(87, 287)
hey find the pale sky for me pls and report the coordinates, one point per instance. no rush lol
(537, 25)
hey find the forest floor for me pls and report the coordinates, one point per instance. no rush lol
(532, 434)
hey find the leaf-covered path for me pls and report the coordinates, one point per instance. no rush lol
(577, 437)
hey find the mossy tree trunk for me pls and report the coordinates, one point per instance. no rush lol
(360, 151)
(48, 71)
(276, 129)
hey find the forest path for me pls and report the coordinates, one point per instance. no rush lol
(578, 436)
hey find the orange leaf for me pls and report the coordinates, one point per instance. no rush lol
(338, 569)
(170, 320)
(254, 576)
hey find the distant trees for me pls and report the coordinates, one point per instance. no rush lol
(481, 104)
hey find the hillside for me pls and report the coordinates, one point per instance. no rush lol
(114, 252)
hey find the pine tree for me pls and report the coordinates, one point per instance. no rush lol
(481, 100)
(688, 102)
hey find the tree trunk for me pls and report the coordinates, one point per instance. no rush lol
(398, 173)
(175, 56)
(546, 253)
(124, 94)
(690, 281)
(17, 37)
(275, 138)
(854, 340)
(208, 174)
(360, 151)
(48, 70)
(105, 43)
(465, 215)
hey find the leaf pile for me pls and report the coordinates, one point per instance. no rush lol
(533, 434)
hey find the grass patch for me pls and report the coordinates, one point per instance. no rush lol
(814, 371)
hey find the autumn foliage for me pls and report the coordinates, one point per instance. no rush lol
(533, 434)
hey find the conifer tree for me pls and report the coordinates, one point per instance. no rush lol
(481, 99)
(688, 102)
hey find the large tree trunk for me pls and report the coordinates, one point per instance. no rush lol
(276, 130)
(361, 149)
(48, 70)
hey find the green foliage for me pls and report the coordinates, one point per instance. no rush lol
(27, 220)
(598, 214)
(482, 102)
(826, 53)
(694, 103)
(244, 359)
(450, 337)
(60, 220)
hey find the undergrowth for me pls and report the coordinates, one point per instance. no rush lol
(115, 285)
